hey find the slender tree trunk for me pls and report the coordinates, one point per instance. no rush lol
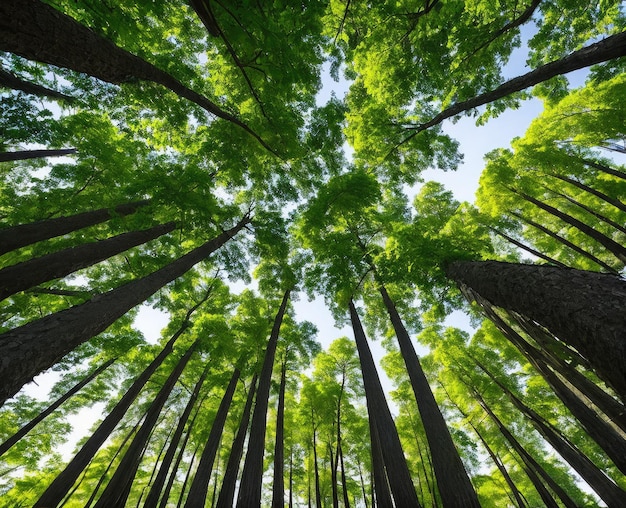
(34, 154)
(318, 491)
(381, 496)
(32, 348)
(252, 476)
(4, 447)
(227, 492)
(37, 31)
(603, 168)
(30, 273)
(608, 243)
(613, 201)
(15, 237)
(291, 477)
(333, 476)
(181, 497)
(584, 309)
(362, 483)
(9, 80)
(278, 487)
(344, 482)
(400, 480)
(454, 484)
(607, 49)
(200, 485)
(157, 486)
(528, 249)
(606, 489)
(64, 481)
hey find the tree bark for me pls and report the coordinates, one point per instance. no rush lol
(32, 348)
(28, 274)
(4, 447)
(229, 482)
(455, 487)
(278, 486)
(156, 488)
(34, 154)
(15, 237)
(63, 482)
(586, 310)
(318, 490)
(200, 484)
(10, 80)
(400, 481)
(39, 32)
(252, 476)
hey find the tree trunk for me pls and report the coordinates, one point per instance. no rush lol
(15, 237)
(187, 476)
(333, 476)
(34, 154)
(278, 486)
(157, 486)
(396, 467)
(200, 484)
(227, 492)
(528, 249)
(381, 496)
(4, 447)
(609, 48)
(584, 309)
(32, 348)
(613, 201)
(39, 32)
(58, 264)
(9, 80)
(606, 489)
(64, 481)
(455, 487)
(344, 482)
(602, 167)
(252, 476)
(318, 491)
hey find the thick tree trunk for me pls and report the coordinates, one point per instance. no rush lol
(584, 309)
(398, 474)
(28, 274)
(64, 481)
(229, 482)
(39, 32)
(455, 487)
(9, 80)
(606, 489)
(200, 484)
(15, 237)
(278, 486)
(32, 348)
(156, 487)
(609, 48)
(4, 447)
(34, 154)
(252, 476)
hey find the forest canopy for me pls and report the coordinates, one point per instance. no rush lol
(188, 157)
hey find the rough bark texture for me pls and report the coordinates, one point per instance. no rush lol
(252, 476)
(584, 309)
(229, 482)
(32, 348)
(30, 273)
(4, 447)
(14, 237)
(278, 486)
(400, 481)
(34, 154)
(200, 484)
(455, 487)
(116, 492)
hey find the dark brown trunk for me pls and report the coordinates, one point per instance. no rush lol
(64, 481)
(30, 273)
(229, 482)
(9, 80)
(4, 447)
(318, 491)
(344, 482)
(39, 32)
(607, 49)
(252, 476)
(156, 487)
(400, 481)
(200, 484)
(181, 496)
(32, 348)
(584, 309)
(15, 237)
(278, 486)
(455, 487)
(613, 201)
(333, 476)
(34, 154)
(381, 495)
